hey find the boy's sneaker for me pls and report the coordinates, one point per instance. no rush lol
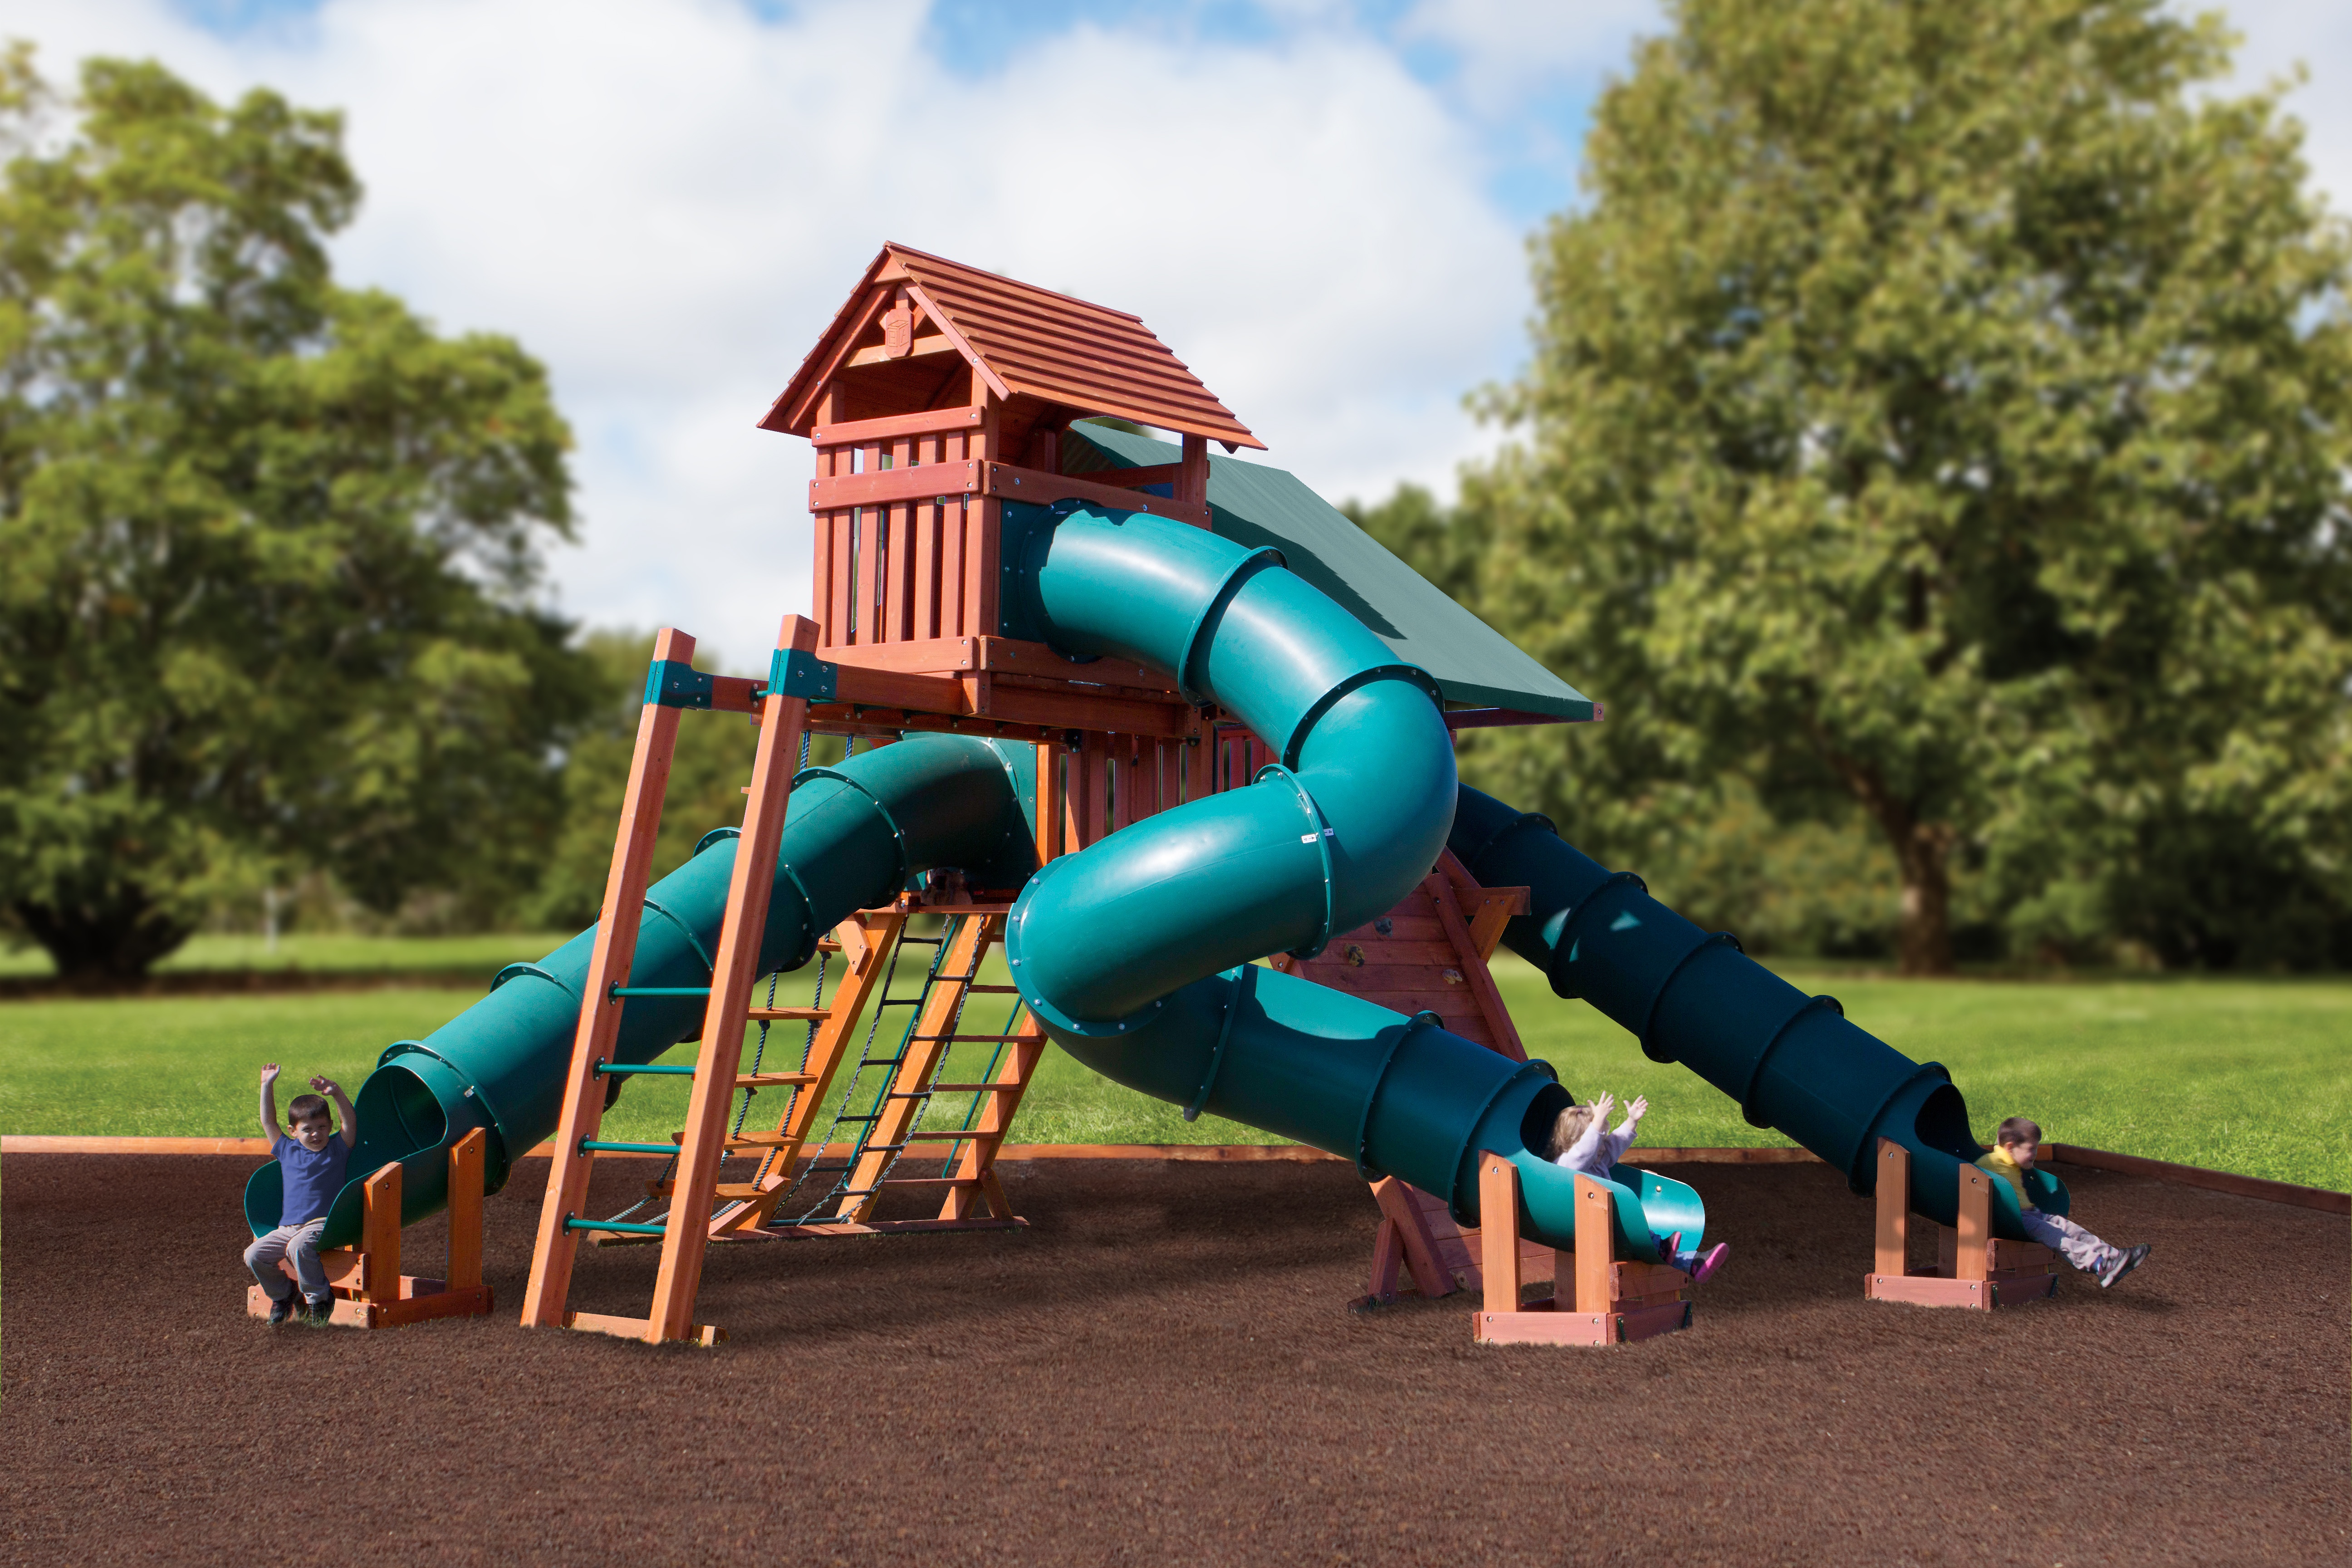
(321, 1309)
(2125, 1262)
(1709, 1261)
(283, 1307)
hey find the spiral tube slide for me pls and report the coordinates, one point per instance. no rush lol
(1135, 952)
(1792, 1062)
(854, 835)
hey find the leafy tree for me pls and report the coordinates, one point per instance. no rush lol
(266, 544)
(711, 765)
(1943, 408)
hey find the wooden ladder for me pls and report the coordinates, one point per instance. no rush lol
(717, 1069)
(972, 930)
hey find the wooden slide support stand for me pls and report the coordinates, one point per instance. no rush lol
(1974, 1269)
(370, 1291)
(1610, 1304)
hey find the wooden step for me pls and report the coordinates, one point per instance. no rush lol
(741, 1192)
(977, 1087)
(764, 1079)
(788, 1014)
(951, 1137)
(761, 1140)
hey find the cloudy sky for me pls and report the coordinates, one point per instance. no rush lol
(1320, 205)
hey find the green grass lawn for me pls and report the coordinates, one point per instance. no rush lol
(489, 953)
(2239, 1075)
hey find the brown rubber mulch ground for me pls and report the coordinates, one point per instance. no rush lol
(1164, 1369)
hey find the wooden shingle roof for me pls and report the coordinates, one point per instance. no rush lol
(1023, 340)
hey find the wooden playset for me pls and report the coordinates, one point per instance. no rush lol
(370, 1292)
(938, 393)
(1974, 1269)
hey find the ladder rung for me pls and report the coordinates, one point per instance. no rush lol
(951, 1137)
(741, 1191)
(976, 1088)
(597, 1146)
(761, 1140)
(625, 1227)
(972, 1039)
(674, 1069)
(875, 1116)
(930, 1180)
(661, 990)
(763, 1080)
(901, 1002)
(997, 990)
(788, 1014)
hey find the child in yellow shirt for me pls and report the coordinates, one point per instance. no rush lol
(2014, 1147)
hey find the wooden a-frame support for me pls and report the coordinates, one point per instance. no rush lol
(370, 1292)
(1975, 1269)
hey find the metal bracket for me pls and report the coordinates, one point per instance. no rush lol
(674, 683)
(795, 672)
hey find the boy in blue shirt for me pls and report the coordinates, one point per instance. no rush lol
(312, 1163)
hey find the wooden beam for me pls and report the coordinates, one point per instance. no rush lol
(599, 1027)
(735, 968)
(1596, 1246)
(466, 1173)
(1975, 1228)
(1891, 1232)
(380, 1233)
(926, 422)
(1498, 1231)
(1040, 488)
(1192, 477)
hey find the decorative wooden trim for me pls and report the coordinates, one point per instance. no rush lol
(880, 353)
(1040, 488)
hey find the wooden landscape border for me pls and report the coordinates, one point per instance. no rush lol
(2229, 1181)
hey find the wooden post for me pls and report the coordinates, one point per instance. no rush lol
(1975, 1226)
(1891, 1243)
(1049, 801)
(1596, 1245)
(1403, 1217)
(600, 1013)
(1498, 1231)
(735, 967)
(380, 1233)
(1192, 473)
(466, 1160)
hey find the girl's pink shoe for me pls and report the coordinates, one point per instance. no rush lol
(1709, 1261)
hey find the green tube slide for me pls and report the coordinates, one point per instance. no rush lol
(854, 835)
(1135, 952)
(1792, 1062)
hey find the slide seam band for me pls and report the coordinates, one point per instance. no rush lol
(1245, 987)
(1423, 1019)
(1322, 834)
(691, 940)
(1191, 690)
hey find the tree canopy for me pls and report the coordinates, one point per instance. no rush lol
(267, 545)
(1941, 411)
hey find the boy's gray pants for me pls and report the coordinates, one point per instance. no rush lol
(2070, 1240)
(299, 1242)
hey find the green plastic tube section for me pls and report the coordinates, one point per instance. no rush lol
(1135, 953)
(1793, 1062)
(854, 837)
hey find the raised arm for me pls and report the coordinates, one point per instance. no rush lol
(269, 1128)
(334, 1091)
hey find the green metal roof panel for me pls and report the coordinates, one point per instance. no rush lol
(1255, 505)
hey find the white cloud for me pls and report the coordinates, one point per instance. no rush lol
(667, 203)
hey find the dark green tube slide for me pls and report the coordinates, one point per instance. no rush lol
(1792, 1062)
(853, 837)
(1135, 952)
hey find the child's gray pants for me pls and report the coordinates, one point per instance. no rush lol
(2070, 1240)
(299, 1242)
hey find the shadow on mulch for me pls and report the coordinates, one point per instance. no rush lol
(1163, 1368)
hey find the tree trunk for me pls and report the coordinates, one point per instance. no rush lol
(1922, 856)
(104, 942)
